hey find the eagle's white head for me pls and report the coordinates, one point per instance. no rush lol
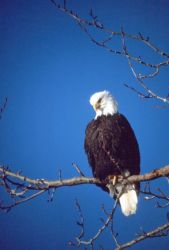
(103, 103)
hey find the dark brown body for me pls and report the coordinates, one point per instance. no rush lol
(111, 147)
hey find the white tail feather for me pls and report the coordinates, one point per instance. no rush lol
(128, 202)
(128, 199)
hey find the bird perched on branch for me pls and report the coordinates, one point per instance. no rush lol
(113, 151)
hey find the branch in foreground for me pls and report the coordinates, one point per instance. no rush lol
(22, 189)
(161, 195)
(19, 187)
(158, 232)
(90, 242)
(39, 184)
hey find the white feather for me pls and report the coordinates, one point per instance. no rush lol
(128, 202)
(107, 106)
(128, 199)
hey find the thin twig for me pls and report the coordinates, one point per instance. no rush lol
(87, 27)
(78, 169)
(90, 242)
(139, 77)
(3, 107)
(7, 208)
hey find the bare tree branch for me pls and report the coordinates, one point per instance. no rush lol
(20, 187)
(41, 184)
(156, 173)
(3, 107)
(107, 43)
(158, 232)
(140, 77)
(78, 169)
(151, 195)
(90, 242)
(7, 208)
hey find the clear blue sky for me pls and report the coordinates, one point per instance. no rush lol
(48, 70)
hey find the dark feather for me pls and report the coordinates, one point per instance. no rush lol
(111, 147)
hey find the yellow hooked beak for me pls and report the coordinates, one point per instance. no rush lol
(96, 106)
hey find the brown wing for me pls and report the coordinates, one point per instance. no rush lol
(111, 146)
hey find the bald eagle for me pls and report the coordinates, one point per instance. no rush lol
(113, 151)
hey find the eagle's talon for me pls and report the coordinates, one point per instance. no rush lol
(114, 179)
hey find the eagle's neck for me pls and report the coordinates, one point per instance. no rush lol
(110, 108)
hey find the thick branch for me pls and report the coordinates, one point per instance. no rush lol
(20, 188)
(156, 173)
(46, 184)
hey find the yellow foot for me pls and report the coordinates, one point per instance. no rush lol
(114, 179)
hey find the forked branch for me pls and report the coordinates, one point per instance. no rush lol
(94, 24)
(158, 232)
(19, 187)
